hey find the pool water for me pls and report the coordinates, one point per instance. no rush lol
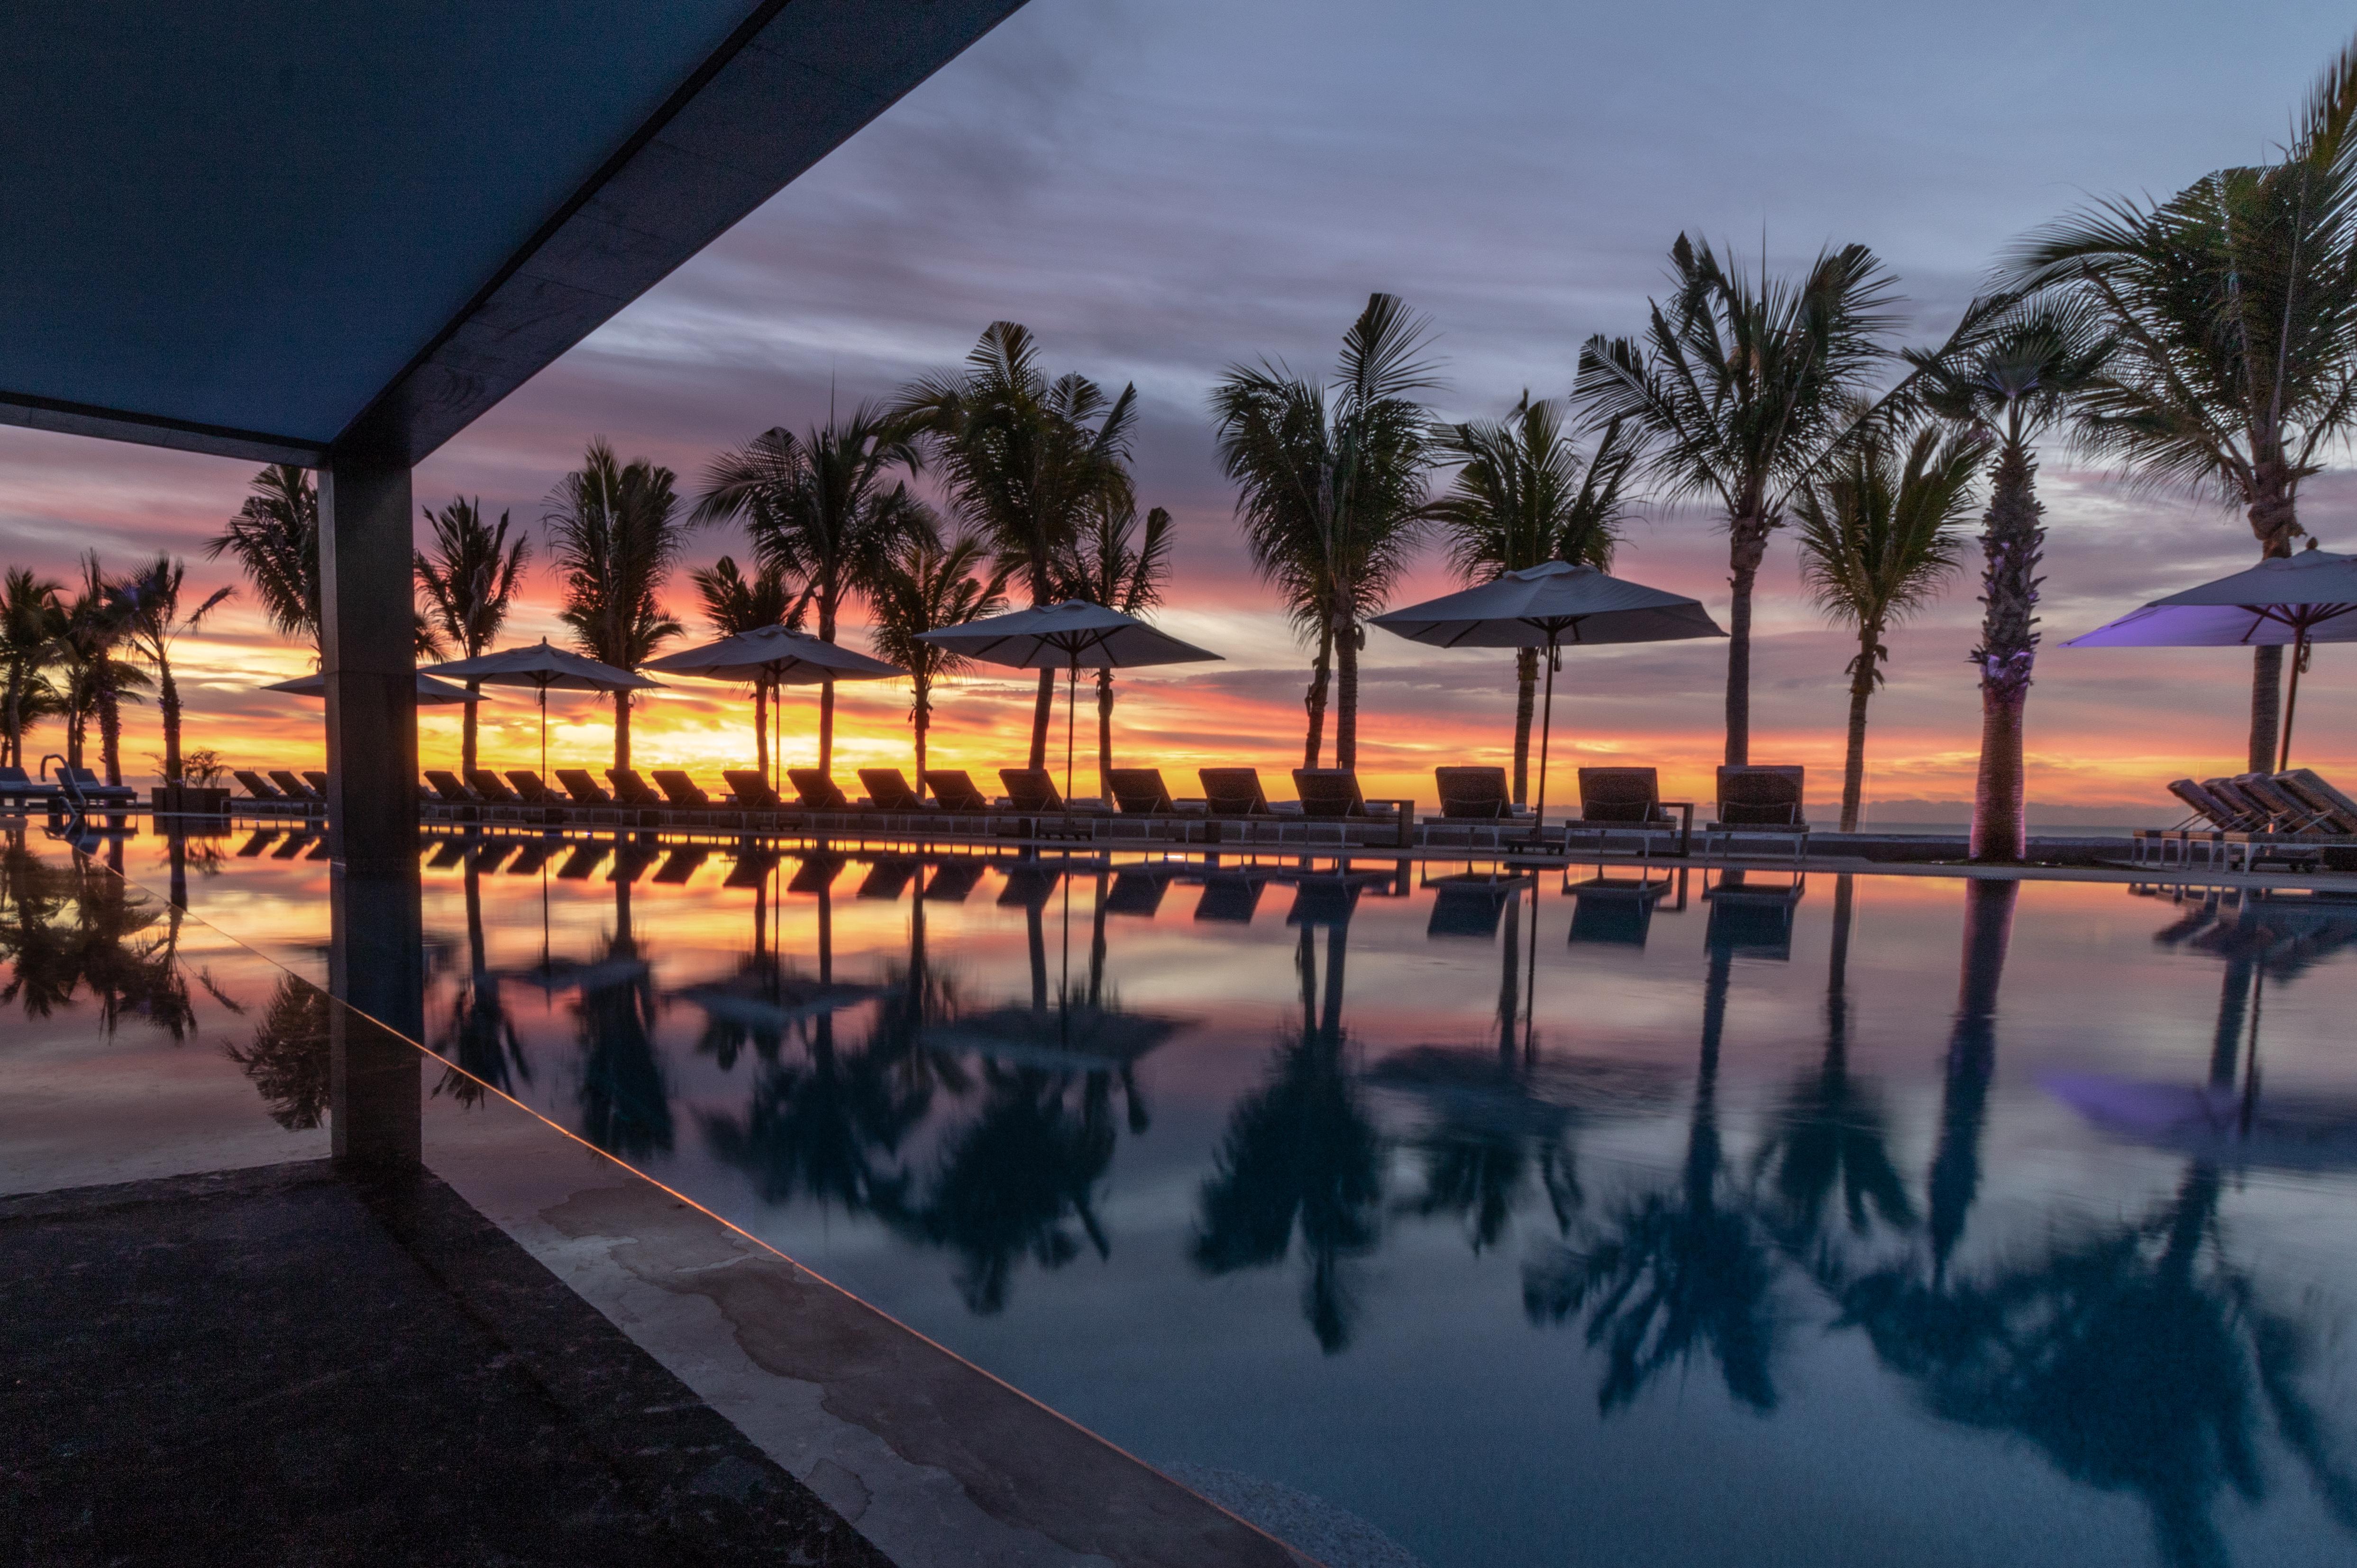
(1731, 1219)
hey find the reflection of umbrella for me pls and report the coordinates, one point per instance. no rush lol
(1074, 1037)
(541, 668)
(1066, 636)
(430, 691)
(2297, 599)
(778, 655)
(2218, 1124)
(1546, 606)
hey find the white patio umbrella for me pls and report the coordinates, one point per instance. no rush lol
(431, 693)
(1066, 636)
(775, 653)
(2292, 600)
(543, 669)
(1546, 607)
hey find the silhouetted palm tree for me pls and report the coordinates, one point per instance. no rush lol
(1026, 461)
(614, 533)
(1740, 388)
(1109, 564)
(1879, 535)
(819, 513)
(96, 680)
(2011, 382)
(1331, 494)
(31, 617)
(470, 582)
(736, 604)
(274, 539)
(148, 601)
(928, 585)
(1523, 495)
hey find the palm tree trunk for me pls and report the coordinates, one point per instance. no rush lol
(2276, 521)
(1526, 682)
(1105, 733)
(1346, 693)
(168, 704)
(1320, 676)
(467, 731)
(1043, 713)
(2011, 545)
(12, 743)
(621, 732)
(1747, 547)
(109, 734)
(1861, 692)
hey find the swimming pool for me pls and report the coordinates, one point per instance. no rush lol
(1578, 1218)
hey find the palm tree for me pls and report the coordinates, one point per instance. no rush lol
(817, 511)
(1740, 389)
(470, 582)
(1111, 564)
(1525, 494)
(614, 532)
(31, 617)
(2234, 305)
(1333, 501)
(2011, 385)
(928, 585)
(734, 604)
(1879, 537)
(288, 1058)
(1026, 461)
(274, 539)
(96, 681)
(149, 602)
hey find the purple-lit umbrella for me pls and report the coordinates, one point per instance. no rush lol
(2291, 600)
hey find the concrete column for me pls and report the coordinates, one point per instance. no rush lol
(376, 959)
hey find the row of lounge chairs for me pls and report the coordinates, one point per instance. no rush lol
(2288, 818)
(74, 787)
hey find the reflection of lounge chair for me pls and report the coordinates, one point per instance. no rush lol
(1137, 893)
(449, 856)
(1028, 883)
(534, 856)
(1230, 899)
(488, 857)
(1754, 920)
(954, 881)
(1323, 901)
(818, 792)
(263, 838)
(631, 861)
(1614, 913)
(752, 868)
(585, 859)
(681, 863)
(816, 873)
(1470, 905)
(888, 879)
(1759, 803)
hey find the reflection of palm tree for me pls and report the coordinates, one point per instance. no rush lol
(69, 928)
(288, 1057)
(2137, 1359)
(1831, 1133)
(1955, 1175)
(481, 1042)
(625, 1104)
(808, 1128)
(1301, 1152)
(1678, 1273)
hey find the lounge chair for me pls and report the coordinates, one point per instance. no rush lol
(751, 791)
(2287, 813)
(890, 790)
(448, 790)
(679, 789)
(259, 789)
(1030, 789)
(317, 781)
(630, 790)
(1630, 798)
(1234, 792)
(2337, 810)
(1333, 794)
(81, 784)
(955, 790)
(818, 792)
(1476, 793)
(18, 789)
(584, 790)
(1759, 801)
(294, 787)
(1140, 792)
(491, 788)
(533, 789)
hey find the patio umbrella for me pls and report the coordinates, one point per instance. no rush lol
(2298, 600)
(1066, 636)
(781, 656)
(431, 693)
(1546, 607)
(542, 667)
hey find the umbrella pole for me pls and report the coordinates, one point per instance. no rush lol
(544, 729)
(1072, 688)
(1546, 725)
(2291, 700)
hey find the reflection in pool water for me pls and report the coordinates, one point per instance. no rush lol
(1642, 1220)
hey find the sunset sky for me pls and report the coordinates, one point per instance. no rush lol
(1161, 190)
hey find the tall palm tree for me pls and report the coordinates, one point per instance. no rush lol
(929, 586)
(817, 510)
(95, 679)
(1026, 461)
(1524, 495)
(1110, 564)
(2234, 304)
(734, 604)
(2011, 385)
(274, 539)
(614, 532)
(31, 616)
(1879, 534)
(1740, 388)
(149, 602)
(470, 582)
(1331, 497)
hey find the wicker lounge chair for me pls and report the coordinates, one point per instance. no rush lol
(584, 789)
(1475, 793)
(630, 790)
(317, 781)
(259, 789)
(1629, 800)
(1031, 788)
(680, 789)
(448, 790)
(18, 789)
(818, 792)
(81, 785)
(1234, 792)
(2287, 813)
(2337, 810)
(1759, 801)
(955, 789)
(491, 788)
(890, 790)
(294, 788)
(1333, 794)
(1140, 792)
(752, 791)
(533, 789)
